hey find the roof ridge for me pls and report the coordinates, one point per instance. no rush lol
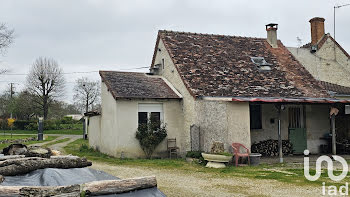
(207, 34)
(116, 71)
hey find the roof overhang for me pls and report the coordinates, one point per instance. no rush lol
(276, 99)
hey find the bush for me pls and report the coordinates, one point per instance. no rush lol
(21, 124)
(194, 154)
(150, 135)
(67, 120)
(51, 125)
(31, 126)
(4, 125)
(72, 126)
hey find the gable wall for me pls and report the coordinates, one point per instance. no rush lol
(226, 122)
(187, 104)
(322, 66)
(114, 131)
(108, 121)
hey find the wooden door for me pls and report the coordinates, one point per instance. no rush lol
(296, 129)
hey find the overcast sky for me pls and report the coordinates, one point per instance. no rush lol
(92, 35)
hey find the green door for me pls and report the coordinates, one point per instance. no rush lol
(297, 131)
(297, 137)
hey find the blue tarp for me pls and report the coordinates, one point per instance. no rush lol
(64, 177)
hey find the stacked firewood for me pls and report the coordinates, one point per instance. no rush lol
(270, 147)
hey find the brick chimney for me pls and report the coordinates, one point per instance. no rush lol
(271, 30)
(317, 29)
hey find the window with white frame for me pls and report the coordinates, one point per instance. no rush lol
(150, 111)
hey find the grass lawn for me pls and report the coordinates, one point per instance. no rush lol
(279, 172)
(14, 137)
(62, 131)
(48, 138)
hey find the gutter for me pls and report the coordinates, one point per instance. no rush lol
(276, 99)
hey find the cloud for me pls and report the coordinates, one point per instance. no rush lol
(85, 35)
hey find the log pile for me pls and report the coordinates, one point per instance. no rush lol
(270, 147)
(17, 166)
(95, 188)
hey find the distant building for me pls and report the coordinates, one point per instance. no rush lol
(209, 88)
(75, 116)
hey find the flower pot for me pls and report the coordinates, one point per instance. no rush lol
(216, 161)
(254, 159)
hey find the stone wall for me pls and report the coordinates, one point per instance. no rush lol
(225, 122)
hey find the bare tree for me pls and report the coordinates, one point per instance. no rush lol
(46, 81)
(6, 38)
(87, 93)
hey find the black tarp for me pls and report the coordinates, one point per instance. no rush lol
(64, 177)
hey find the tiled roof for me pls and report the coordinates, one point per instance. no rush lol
(136, 85)
(221, 66)
(337, 89)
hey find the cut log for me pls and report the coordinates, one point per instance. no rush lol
(9, 191)
(67, 191)
(6, 157)
(119, 186)
(37, 151)
(19, 166)
(91, 189)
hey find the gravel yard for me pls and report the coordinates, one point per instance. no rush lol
(174, 182)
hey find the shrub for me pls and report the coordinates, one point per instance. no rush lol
(4, 125)
(150, 135)
(21, 124)
(31, 126)
(67, 120)
(194, 154)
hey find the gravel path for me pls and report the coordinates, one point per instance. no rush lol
(184, 183)
(60, 146)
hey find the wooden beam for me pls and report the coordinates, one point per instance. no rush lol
(334, 142)
(279, 135)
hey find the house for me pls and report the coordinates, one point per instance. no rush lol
(209, 88)
(323, 57)
(328, 62)
(75, 116)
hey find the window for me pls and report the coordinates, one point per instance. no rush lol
(153, 112)
(296, 117)
(255, 117)
(261, 63)
(163, 63)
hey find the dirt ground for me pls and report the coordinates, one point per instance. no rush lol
(184, 183)
(174, 182)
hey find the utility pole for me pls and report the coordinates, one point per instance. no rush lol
(12, 92)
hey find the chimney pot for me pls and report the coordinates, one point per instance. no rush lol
(317, 29)
(271, 30)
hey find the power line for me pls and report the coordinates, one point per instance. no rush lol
(69, 73)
